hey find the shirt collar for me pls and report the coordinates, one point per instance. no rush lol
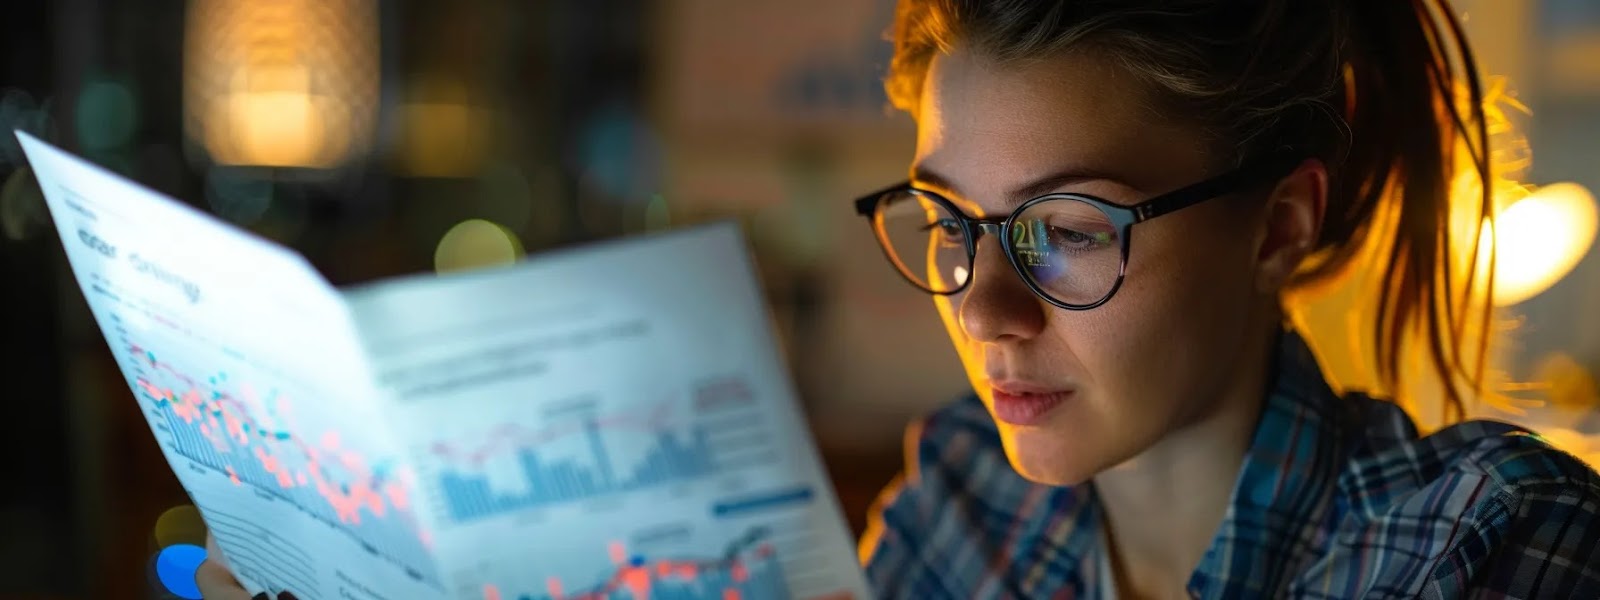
(1281, 502)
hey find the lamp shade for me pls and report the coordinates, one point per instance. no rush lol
(281, 83)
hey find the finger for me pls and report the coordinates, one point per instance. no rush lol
(216, 583)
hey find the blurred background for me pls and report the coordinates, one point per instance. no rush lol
(386, 138)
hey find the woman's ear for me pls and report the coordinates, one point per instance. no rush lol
(1293, 221)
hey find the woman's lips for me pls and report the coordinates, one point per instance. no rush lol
(1020, 407)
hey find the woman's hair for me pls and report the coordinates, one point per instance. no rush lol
(1383, 92)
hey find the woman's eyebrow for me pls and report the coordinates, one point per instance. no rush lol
(1057, 180)
(930, 178)
(1023, 193)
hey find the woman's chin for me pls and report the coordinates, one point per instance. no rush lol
(1045, 457)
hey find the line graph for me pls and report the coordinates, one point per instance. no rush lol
(584, 455)
(228, 426)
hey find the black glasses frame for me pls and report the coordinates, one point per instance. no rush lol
(1122, 217)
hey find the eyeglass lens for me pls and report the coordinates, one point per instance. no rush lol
(1067, 248)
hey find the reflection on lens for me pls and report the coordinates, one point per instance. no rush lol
(925, 241)
(1069, 249)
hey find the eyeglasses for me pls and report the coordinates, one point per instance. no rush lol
(1071, 249)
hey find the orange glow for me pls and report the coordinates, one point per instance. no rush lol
(442, 133)
(442, 139)
(1538, 240)
(1535, 236)
(291, 83)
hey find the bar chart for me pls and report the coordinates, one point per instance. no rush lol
(548, 461)
(670, 457)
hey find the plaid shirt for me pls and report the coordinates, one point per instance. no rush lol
(1336, 498)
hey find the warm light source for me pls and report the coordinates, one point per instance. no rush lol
(1538, 240)
(475, 244)
(442, 133)
(286, 83)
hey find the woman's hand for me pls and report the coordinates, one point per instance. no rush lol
(217, 582)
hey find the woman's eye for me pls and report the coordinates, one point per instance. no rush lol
(948, 230)
(1078, 241)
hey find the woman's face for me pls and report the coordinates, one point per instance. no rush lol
(1077, 392)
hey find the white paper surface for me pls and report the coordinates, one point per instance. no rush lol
(603, 408)
(608, 422)
(245, 363)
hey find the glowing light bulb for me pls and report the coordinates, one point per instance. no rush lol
(1539, 239)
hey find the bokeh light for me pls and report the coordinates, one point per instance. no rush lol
(1539, 239)
(176, 566)
(106, 116)
(291, 83)
(474, 244)
(620, 154)
(180, 525)
(442, 133)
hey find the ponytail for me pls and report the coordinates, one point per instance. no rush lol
(1413, 106)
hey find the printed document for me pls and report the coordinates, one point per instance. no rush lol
(612, 421)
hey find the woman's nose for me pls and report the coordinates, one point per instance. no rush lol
(997, 305)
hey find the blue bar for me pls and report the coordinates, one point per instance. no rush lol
(452, 501)
(597, 447)
(455, 493)
(538, 483)
(563, 482)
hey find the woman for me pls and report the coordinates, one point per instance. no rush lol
(1108, 200)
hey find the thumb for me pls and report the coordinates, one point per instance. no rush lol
(214, 553)
(215, 580)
